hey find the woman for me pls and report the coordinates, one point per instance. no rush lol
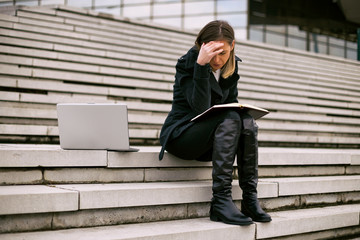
(205, 76)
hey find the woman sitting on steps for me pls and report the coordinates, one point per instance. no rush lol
(207, 75)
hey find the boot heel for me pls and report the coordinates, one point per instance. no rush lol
(246, 212)
(214, 218)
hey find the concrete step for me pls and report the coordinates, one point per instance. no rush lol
(81, 67)
(275, 52)
(336, 219)
(267, 136)
(324, 92)
(325, 85)
(70, 66)
(60, 39)
(48, 164)
(137, 83)
(355, 78)
(23, 199)
(307, 101)
(78, 16)
(297, 107)
(80, 57)
(327, 106)
(155, 121)
(28, 155)
(283, 54)
(76, 37)
(31, 112)
(82, 51)
(53, 97)
(278, 62)
(38, 99)
(119, 86)
(119, 25)
(282, 67)
(87, 25)
(300, 90)
(20, 155)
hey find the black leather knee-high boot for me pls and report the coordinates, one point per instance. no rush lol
(224, 149)
(247, 160)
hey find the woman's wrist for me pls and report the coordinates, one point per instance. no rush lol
(201, 62)
(202, 71)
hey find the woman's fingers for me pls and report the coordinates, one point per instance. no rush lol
(213, 47)
(208, 51)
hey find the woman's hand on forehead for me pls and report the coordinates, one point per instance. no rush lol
(208, 51)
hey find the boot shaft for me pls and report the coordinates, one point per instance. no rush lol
(247, 155)
(226, 138)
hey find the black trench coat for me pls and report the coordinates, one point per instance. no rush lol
(195, 90)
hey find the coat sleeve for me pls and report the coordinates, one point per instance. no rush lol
(195, 86)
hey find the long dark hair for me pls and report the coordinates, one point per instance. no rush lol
(215, 31)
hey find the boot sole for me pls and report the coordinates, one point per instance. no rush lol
(262, 220)
(218, 219)
(246, 213)
(258, 220)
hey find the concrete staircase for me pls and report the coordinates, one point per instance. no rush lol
(70, 55)
(62, 54)
(311, 192)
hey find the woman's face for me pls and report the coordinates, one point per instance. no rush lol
(218, 61)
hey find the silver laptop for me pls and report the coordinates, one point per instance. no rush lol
(93, 126)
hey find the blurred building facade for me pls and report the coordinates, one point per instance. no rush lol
(323, 26)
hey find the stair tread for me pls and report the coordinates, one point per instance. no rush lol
(285, 223)
(39, 198)
(24, 155)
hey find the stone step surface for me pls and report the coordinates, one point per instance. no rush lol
(37, 198)
(61, 49)
(77, 22)
(22, 199)
(285, 223)
(49, 164)
(267, 137)
(35, 155)
(27, 111)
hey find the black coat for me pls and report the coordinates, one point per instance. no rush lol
(195, 90)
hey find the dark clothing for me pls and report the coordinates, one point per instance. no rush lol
(195, 90)
(198, 140)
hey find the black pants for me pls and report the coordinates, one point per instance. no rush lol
(197, 141)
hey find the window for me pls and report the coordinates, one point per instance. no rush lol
(168, 9)
(109, 10)
(235, 20)
(49, 2)
(197, 22)
(136, 2)
(175, 22)
(336, 51)
(297, 43)
(203, 7)
(137, 11)
(256, 34)
(240, 33)
(224, 6)
(80, 3)
(275, 38)
(351, 54)
(107, 3)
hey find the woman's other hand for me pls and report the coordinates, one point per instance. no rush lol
(208, 51)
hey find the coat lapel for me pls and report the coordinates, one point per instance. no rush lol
(215, 85)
